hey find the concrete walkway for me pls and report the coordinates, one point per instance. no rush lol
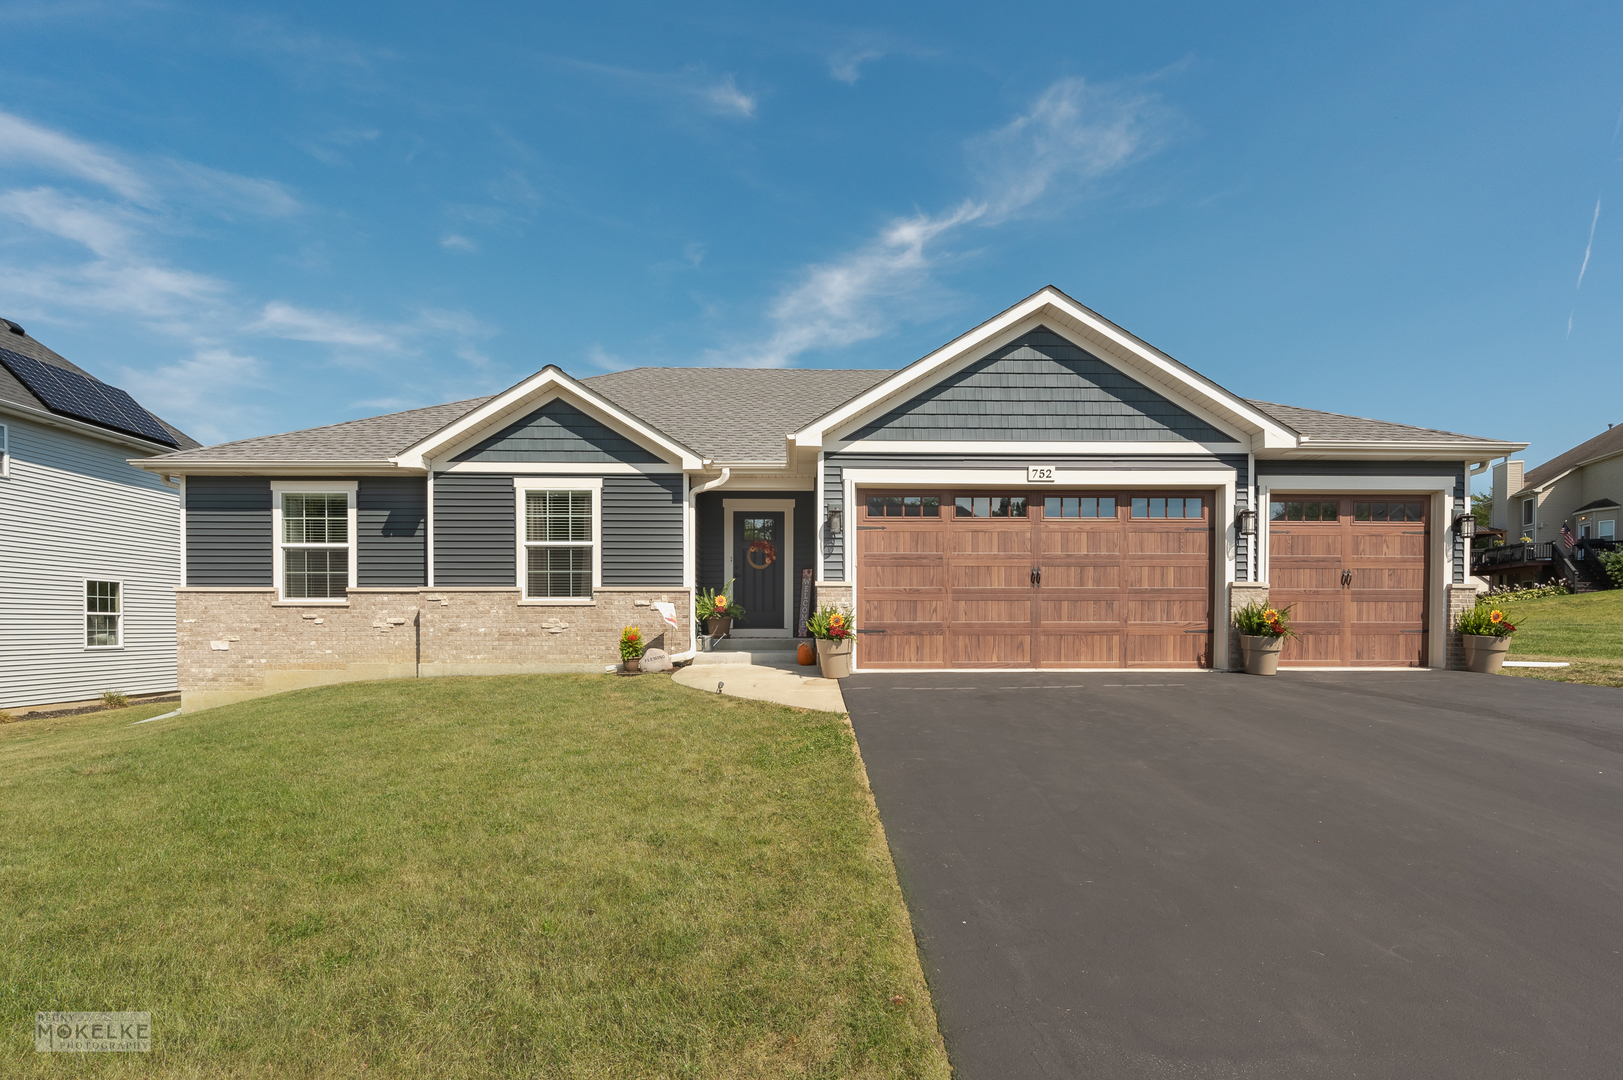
(781, 684)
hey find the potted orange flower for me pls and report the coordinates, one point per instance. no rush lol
(631, 649)
(836, 634)
(1486, 631)
(1263, 631)
(718, 610)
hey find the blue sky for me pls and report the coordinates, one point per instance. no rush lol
(259, 219)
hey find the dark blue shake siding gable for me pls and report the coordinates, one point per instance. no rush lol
(229, 541)
(834, 466)
(476, 542)
(558, 432)
(1040, 388)
(1277, 474)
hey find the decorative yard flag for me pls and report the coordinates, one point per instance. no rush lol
(1566, 535)
(666, 612)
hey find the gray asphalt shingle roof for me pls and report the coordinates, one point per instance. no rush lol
(733, 414)
(726, 414)
(1324, 427)
(374, 438)
(15, 392)
(1605, 444)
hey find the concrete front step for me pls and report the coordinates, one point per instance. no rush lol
(766, 657)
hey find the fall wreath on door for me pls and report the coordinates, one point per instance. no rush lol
(761, 554)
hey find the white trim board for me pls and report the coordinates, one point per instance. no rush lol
(1116, 479)
(522, 484)
(729, 507)
(1109, 342)
(278, 559)
(1014, 448)
(558, 468)
(525, 397)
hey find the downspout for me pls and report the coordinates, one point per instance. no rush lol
(693, 623)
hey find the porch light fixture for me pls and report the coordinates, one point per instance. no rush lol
(836, 523)
(1246, 518)
(1465, 526)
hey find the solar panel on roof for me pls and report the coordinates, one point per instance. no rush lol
(72, 394)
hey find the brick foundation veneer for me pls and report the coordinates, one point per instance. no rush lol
(1461, 598)
(1241, 593)
(837, 593)
(239, 643)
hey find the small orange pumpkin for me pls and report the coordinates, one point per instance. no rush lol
(806, 654)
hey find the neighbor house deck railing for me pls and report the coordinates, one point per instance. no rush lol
(1515, 555)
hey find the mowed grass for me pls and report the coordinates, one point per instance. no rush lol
(556, 876)
(1585, 629)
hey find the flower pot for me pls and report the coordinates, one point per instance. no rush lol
(834, 657)
(718, 625)
(1484, 653)
(633, 666)
(806, 654)
(1262, 653)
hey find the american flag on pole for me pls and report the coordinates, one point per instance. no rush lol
(1566, 536)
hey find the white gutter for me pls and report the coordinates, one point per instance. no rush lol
(693, 622)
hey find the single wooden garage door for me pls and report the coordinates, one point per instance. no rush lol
(1071, 579)
(1353, 571)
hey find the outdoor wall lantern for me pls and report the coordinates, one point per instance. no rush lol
(1465, 526)
(1247, 519)
(836, 523)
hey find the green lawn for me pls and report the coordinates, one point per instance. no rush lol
(558, 876)
(1585, 629)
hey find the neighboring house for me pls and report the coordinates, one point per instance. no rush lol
(89, 544)
(1046, 490)
(1581, 490)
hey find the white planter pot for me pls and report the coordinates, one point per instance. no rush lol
(1261, 654)
(834, 657)
(1484, 653)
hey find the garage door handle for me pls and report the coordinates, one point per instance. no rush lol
(1036, 575)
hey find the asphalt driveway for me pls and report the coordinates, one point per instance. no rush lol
(1210, 875)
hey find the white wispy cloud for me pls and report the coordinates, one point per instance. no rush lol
(457, 242)
(282, 320)
(1590, 245)
(845, 65)
(1073, 137)
(693, 85)
(206, 391)
(27, 143)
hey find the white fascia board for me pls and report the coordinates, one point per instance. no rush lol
(543, 386)
(78, 427)
(1202, 396)
(1377, 449)
(1032, 450)
(1104, 479)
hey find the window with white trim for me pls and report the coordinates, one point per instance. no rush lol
(104, 614)
(1527, 511)
(1606, 529)
(315, 545)
(5, 451)
(558, 545)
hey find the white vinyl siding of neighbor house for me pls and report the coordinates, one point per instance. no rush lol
(73, 510)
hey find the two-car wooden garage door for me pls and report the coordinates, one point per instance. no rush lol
(1068, 579)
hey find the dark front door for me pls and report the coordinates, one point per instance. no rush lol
(758, 550)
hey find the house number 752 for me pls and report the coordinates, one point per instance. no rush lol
(1039, 474)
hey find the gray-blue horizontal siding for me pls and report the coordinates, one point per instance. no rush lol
(475, 523)
(475, 540)
(642, 529)
(1041, 387)
(711, 541)
(1267, 470)
(228, 530)
(559, 432)
(391, 531)
(834, 466)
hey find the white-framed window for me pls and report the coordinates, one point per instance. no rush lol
(1606, 529)
(5, 451)
(560, 553)
(104, 614)
(314, 523)
(1527, 511)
